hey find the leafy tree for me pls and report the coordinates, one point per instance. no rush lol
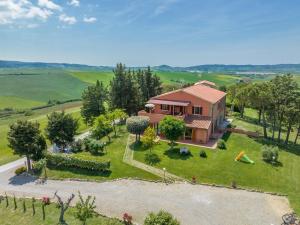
(102, 127)
(25, 138)
(291, 115)
(137, 125)
(85, 208)
(116, 115)
(283, 90)
(242, 97)
(161, 218)
(124, 91)
(93, 99)
(172, 128)
(61, 129)
(148, 138)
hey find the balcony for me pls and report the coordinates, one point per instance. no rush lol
(157, 117)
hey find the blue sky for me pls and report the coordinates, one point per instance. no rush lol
(151, 32)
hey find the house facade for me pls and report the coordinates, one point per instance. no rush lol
(201, 106)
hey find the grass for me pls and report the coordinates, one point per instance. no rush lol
(192, 77)
(114, 153)
(220, 168)
(92, 77)
(13, 102)
(10, 216)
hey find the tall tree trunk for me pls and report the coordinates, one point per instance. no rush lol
(259, 115)
(62, 213)
(264, 124)
(280, 126)
(297, 135)
(28, 163)
(288, 133)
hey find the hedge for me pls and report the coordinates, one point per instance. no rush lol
(70, 161)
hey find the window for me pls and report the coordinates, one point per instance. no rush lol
(197, 110)
(164, 107)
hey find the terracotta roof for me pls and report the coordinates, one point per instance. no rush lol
(204, 92)
(194, 121)
(168, 102)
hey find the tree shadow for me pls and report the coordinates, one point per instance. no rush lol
(290, 147)
(22, 179)
(83, 172)
(175, 154)
(226, 136)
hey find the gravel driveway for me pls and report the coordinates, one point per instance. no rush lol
(191, 204)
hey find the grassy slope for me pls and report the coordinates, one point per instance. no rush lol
(114, 153)
(42, 86)
(9, 216)
(6, 154)
(92, 77)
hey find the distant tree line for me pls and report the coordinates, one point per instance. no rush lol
(129, 90)
(277, 102)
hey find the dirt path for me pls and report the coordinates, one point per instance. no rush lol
(191, 204)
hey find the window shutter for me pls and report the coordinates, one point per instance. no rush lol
(200, 110)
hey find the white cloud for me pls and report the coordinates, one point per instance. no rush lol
(89, 19)
(49, 5)
(164, 6)
(67, 19)
(13, 11)
(75, 3)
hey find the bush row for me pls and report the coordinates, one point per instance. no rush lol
(69, 161)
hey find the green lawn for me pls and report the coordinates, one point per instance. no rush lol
(10, 216)
(220, 168)
(114, 153)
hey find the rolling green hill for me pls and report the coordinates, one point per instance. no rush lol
(32, 89)
(23, 88)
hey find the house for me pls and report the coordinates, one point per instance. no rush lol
(200, 106)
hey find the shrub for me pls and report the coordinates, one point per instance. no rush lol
(69, 161)
(151, 158)
(93, 146)
(77, 146)
(161, 218)
(270, 153)
(221, 144)
(203, 154)
(20, 170)
(96, 148)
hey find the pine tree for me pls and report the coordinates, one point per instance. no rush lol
(93, 99)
